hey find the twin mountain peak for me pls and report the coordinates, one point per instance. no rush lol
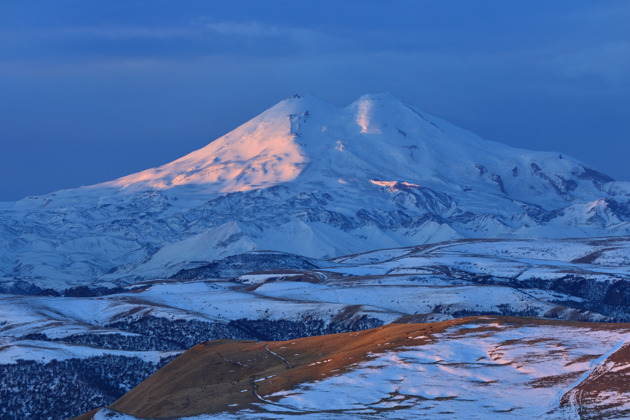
(378, 137)
(311, 178)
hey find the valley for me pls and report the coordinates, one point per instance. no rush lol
(153, 321)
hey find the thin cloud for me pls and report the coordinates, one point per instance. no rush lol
(250, 29)
(609, 62)
(310, 39)
(129, 32)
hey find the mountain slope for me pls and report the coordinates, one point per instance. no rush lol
(309, 178)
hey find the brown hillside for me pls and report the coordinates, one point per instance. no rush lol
(221, 375)
(227, 375)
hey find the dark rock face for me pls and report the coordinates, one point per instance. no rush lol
(84, 291)
(560, 185)
(20, 287)
(237, 265)
(594, 176)
(610, 298)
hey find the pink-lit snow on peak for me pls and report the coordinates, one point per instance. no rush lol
(378, 137)
(258, 154)
(395, 185)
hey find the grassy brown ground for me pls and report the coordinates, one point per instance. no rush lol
(225, 375)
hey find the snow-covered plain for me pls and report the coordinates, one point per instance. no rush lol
(576, 279)
(439, 281)
(509, 372)
(46, 351)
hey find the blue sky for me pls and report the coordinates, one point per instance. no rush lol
(94, 90)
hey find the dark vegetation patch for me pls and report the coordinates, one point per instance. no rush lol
(62, 389)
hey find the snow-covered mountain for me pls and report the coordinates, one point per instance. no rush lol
(309, 178)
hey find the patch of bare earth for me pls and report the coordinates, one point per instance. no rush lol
(605, 393)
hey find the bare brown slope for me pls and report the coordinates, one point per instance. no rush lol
(604, 393)
(212, 376)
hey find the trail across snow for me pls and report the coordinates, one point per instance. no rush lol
(285, 361)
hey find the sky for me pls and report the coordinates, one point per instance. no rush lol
(94, 90)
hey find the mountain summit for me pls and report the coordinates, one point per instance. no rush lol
(310, 178)
(276, 146)
(378, 139)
